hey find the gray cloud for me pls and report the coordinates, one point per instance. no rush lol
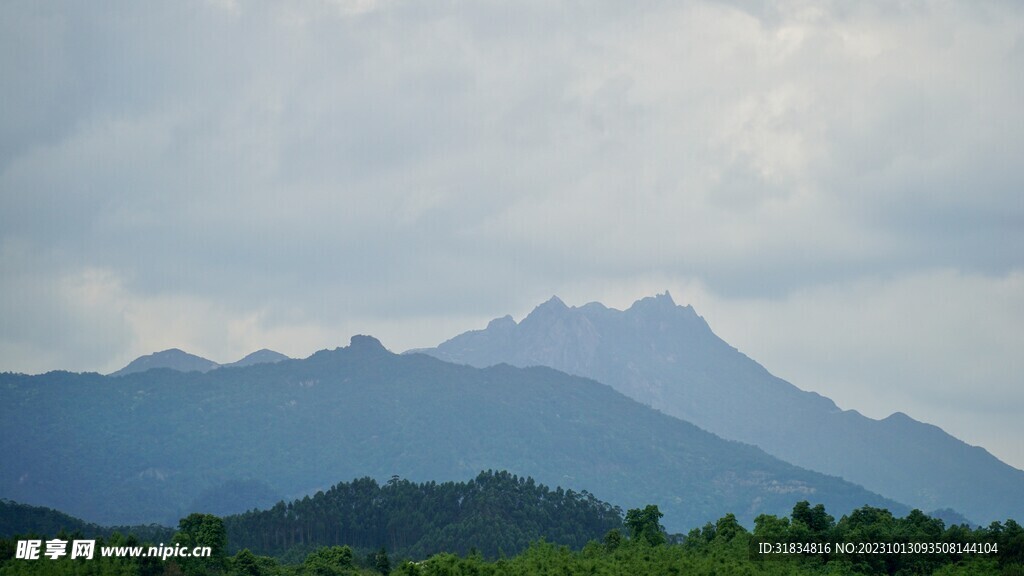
(223, 176)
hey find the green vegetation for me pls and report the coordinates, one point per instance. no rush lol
(16, 518)
(721, 548)
(644, 525)
(496, 513)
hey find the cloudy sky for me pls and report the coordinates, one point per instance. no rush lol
(836, 187)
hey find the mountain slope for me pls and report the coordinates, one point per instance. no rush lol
(140, 447)
(667, 356)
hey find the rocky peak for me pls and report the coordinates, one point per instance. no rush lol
(364, 343)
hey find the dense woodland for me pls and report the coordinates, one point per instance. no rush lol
(496, 513)
(365, 518)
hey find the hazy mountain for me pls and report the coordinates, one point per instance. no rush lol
(667, 356)
(142, 447)
(174, 359)
(263, 356)
(182, 361)
(234, 495)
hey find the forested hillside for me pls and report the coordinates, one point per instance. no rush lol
(496, 513)
(17, 518)
(152, 446)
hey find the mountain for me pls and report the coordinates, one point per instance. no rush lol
(262, 356)
(175, 359)
(142, 447)
(666, 356)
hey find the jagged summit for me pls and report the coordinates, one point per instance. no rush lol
(503, 323)
(553, 304)
(660, 300)
(661, 304)
(555, 308)
(665, 355)
(359, 346)
(364, 343)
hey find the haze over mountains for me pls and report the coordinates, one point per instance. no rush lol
(149, 446)
(666, 356)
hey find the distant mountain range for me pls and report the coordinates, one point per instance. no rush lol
(151, 446)
(666, 356)
(175, 359)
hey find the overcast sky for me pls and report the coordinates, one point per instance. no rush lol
(836, 187)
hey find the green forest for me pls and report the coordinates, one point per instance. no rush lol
(495, 513)
(502, 524)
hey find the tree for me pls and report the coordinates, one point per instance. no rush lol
(769, 528)
(728, 527)
(816, 520)
(1011, 544)
(245, 564)
(644, 525)
(197, 531)
(613, 539)
(329, 561)
(381, 562)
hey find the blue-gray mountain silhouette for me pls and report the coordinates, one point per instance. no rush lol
(666, 356)
(262, 356)
(175, 359)
(145, 447)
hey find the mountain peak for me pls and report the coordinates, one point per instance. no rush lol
(550, 311)
(261, 356)
(666, 355)
(364, 343)
(173, 358)
(502, 323)
(658, 302)
(553, 303)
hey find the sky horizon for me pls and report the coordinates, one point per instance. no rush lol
(836, 188)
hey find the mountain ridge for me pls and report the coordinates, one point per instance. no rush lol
(139, 448)
(667, 356)
(181, 361)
